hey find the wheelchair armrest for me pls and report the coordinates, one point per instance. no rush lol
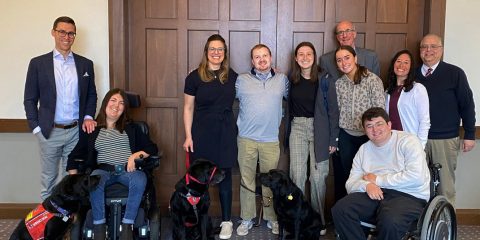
(149, 163)
(82, 167)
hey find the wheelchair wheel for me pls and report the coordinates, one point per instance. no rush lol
(439, 221)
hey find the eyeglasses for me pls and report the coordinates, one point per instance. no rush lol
(433, 47)
(63, 33)
(346, 31)
(212, 49)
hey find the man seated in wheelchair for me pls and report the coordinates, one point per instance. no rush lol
(111, 151)
(388, 183)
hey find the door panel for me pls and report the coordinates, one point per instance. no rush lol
(161, 41)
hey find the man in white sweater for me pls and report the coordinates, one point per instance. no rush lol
(389, 183)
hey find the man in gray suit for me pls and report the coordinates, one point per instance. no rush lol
(60, 95)
(346, 34)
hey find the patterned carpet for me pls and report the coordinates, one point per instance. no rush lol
(465, 232)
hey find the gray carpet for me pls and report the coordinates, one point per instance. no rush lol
(465, 232)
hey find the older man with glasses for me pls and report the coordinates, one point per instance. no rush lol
(346, 35)
(451, 102)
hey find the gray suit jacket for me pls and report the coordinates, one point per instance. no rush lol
(40, 88)
(365, 57)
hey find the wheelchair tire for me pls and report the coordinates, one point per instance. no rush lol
(439, 221)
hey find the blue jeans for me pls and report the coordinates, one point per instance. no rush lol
(135, 181)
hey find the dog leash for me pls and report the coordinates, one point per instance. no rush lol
(269, 201)
(190, 198)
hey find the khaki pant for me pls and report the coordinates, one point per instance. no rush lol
(445, 152)
(249, 152)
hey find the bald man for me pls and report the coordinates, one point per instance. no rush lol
(451, 103)
(346, 35)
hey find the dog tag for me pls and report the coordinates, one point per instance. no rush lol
(65, 218)
(290, 197)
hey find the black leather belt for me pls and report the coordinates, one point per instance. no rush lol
(66, 126)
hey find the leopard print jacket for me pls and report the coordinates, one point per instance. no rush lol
(355, 99)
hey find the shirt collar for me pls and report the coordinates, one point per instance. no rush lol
(263, 76)
(425, 68)
(57, 55)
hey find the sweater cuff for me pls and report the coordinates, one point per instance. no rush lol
(470, 135)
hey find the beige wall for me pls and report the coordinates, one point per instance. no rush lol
(25, 33)
(462, 45)
(26, 25)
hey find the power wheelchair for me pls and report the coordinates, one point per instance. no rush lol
(148, 220)
(438, 219)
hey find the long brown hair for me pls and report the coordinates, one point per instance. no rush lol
(392, 77)
(361, 70)
(297, 70)
(102, 115)
(208, 75)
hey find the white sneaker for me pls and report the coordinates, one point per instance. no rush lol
(227, 229)
(246, 225)
(323, 232)
(274, 226)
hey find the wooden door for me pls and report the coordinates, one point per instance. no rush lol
(156, 43)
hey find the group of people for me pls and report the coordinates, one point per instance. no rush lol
(380, 140)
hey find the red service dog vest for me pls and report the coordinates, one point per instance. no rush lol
(36, 221)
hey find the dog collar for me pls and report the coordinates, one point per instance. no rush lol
(64, 213)
(188, 177)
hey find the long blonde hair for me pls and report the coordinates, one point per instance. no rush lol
(208, 75)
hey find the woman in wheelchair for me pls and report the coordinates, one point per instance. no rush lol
(389, 182)
(111, 151)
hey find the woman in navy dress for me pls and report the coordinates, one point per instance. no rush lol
(210, 128)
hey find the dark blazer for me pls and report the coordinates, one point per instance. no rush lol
(40, 88)
(365, 57)
(85, 148)
(325, 119)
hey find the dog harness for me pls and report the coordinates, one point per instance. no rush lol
(37, 219)
(193, 200)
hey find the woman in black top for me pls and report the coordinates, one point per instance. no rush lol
(304, 137)
(210, 128)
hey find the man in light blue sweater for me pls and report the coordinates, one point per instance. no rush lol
(389, 182)
(260, 93)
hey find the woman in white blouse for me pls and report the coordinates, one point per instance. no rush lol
(407, 101)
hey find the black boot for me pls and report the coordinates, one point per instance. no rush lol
(99, 232)
(127, 232)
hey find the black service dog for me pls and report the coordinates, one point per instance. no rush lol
(52, 218)
(294, 213)
(190, 201)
